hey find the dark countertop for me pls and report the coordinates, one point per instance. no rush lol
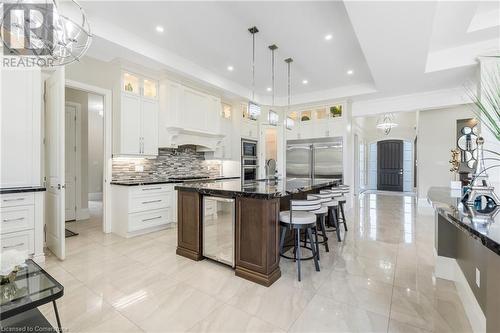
(9, 190)
(488, 232)
(134, 182)
(261, 189)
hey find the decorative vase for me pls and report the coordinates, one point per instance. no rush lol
(9, 278)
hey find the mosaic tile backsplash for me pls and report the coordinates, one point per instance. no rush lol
(181, 162)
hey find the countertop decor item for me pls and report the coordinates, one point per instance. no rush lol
(455, 166)
(11, 261)
(480, 194)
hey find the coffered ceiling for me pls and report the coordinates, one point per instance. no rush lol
(390, 47)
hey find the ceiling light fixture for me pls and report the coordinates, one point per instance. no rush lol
(386, 123)
(230, 68)
(289, 123)
(253, 108)
(350, 72)
(272, 116)
(269, 89)
(305, 82)
(328, 37)
(159, 28)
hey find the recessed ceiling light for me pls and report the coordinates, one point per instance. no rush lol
(230, 68)
(328, 37)
(305, 82)
(269, 89)
(159, 28)
(350, 72)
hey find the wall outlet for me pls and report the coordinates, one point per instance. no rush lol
(139, 168)
(478, 278)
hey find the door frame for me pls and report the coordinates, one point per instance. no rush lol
(401, 142)
(108, 151)
(78, 161)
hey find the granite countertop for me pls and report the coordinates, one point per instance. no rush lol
(449, 206)
(136, 182)
(9, 190)
(261, 189)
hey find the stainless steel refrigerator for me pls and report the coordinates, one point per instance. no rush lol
(314, 158)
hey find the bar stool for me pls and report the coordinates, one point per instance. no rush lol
(342, 201)
(300, 217)
(333, 210)
(320, 221)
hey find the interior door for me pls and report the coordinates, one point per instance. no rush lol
(150, 126)
(70, 165)
(54, 159)
(390, 165)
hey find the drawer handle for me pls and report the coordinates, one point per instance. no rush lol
(152, 218)
(11, 246)
(151, 201)
(16, 199)
(12, 220)
(151, 188)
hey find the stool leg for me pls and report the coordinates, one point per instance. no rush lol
(282, 239)
(343, 216)
(316, 241)
(323, 231)
(298, 252)
(295, 244)
(336, 224)
(313, 249)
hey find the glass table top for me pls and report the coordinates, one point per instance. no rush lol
(32, 287)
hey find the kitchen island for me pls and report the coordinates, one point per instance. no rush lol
(256, 233)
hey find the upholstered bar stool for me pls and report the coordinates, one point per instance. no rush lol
(342, 201)
(298, 218)
(321, 215)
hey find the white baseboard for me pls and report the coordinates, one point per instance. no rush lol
(82, 214)
(95, 196)
(448, 268)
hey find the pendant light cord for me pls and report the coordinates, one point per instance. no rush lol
(273, 73)
(289, 61)
(253, 66)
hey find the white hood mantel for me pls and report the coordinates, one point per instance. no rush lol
(204, 141)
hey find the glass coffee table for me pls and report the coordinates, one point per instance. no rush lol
(32, 288)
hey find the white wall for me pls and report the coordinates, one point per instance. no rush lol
(95, 145)
(436, 137)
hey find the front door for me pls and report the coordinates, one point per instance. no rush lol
(390, 165)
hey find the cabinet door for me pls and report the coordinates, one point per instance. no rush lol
(194, 114)
(214, 115)
(149, 123)
(130, 130)
(20, 140)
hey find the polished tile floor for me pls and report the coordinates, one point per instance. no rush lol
(380, 279)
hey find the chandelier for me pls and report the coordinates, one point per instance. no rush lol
(386, 123)
(51, 31)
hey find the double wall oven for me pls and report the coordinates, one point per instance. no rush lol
(249, 160)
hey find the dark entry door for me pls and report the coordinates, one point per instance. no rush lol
(390, 165)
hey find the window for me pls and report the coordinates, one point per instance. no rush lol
(336, 111)
(290, 123)
(320, 114)
(273, 118)
(305, 116)
(244, 111)
(294, 116)
(226, 111)
(149, 88)
(130, 83)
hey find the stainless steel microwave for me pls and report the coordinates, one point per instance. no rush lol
(249, 148)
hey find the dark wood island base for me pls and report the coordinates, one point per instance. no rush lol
(257, 210)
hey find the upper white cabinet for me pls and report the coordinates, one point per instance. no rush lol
(317, 122)
(136, 116)
(20, 121)
(188, 113)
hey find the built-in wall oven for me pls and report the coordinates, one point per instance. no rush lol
(249, 160)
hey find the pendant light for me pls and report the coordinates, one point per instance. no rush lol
(289, 121)
(253, 108)
(273, 117)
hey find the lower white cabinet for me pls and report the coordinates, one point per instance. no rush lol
(142, 209)
(21, 223)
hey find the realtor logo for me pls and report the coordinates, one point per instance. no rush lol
(27, 29)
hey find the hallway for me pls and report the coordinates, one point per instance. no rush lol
(380, 278)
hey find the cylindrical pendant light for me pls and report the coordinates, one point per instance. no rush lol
(253, 31)
(272, 48)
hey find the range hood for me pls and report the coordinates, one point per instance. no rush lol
(204, 141)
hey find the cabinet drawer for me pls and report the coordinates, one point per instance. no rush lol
(17, 199)
(138, 221)
(151, 189)
(144, 203)
(16, 218)
(21, 241)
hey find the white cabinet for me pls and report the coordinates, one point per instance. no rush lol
(250, 129)
(22, 223)
(20, 128)
(136, 117)
(138, 210)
